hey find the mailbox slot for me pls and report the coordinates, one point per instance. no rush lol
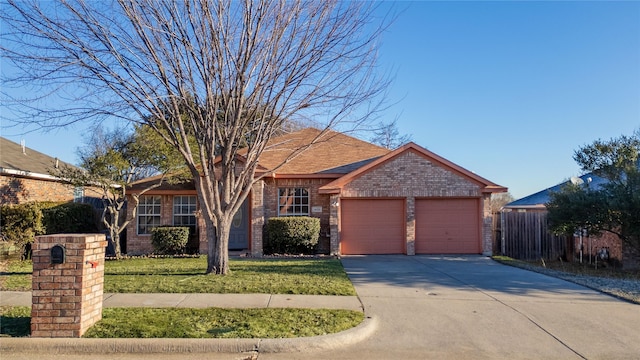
(58, 254)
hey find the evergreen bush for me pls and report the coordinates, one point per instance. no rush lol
(292, 235)
(169, 240)
(20, 224)
(69, 218)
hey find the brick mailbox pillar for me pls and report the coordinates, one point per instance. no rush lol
(68, 279)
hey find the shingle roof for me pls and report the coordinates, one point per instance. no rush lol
(330, 152)
(28, 162)
(540, 198)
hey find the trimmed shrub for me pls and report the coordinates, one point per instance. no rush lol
(68, 218)
(292, 235)
(20, 224)
(169, 240)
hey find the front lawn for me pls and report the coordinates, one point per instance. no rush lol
(199, 323)
(186, 275)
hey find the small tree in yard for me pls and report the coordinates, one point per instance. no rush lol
(228, 72)
(113, 160)
(614, 206)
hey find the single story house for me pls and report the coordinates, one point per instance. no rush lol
(24, 177)
(369, 199)
(525, 233)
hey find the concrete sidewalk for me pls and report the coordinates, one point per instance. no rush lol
(23, 298)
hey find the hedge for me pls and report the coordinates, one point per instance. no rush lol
(292, 235)
(22, 222)
(169, 240)
(69, 218)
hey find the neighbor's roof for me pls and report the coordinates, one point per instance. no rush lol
(539, 199)
(16, 160)
(328, 152)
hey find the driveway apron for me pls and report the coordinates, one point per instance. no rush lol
(470, 307)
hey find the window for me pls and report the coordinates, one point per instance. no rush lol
(78, 194)
(184, 208)
(293, 201)
(148, 214)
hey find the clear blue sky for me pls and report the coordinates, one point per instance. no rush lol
(505, 89)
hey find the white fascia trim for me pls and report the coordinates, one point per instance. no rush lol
(29, 174)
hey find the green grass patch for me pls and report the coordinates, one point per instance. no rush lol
(200, 323)
(186, 275)
(16, 275)
(15, 321)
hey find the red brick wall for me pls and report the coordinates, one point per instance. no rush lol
(270, 198)
(411, 176)
(67, 297)
(141, 244)
(18, 190)
(593, 244)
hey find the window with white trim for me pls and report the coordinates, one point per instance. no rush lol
(293, 201)
(184, 211)
(148, 213)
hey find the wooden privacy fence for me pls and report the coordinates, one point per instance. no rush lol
(526, 236)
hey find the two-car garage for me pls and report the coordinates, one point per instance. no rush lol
(410, 201)
(442, 226)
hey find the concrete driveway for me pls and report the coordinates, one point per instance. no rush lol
(469, 307)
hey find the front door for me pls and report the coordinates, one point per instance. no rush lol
(239, 234)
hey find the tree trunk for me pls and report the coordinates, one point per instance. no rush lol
(218, 256)
(115, 233)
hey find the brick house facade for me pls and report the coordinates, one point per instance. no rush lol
(342, 170)
(24, 177)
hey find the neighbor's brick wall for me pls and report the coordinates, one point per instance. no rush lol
(630, 258)
(593, 244)
(67, 298)
(18, 190)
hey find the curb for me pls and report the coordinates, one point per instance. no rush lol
(149, 346)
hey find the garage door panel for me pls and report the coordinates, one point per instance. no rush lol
(372, 226)
(447, 226)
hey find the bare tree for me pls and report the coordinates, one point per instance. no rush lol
(498, 200)
(226, 70)
(387, 135)
(113, 160)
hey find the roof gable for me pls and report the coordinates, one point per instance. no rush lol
(486, 185)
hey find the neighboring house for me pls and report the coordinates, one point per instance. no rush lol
(370, 200)
(24, 176)
(525, 232)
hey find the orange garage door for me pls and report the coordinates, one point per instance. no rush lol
(372, 226)
(447, 226)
